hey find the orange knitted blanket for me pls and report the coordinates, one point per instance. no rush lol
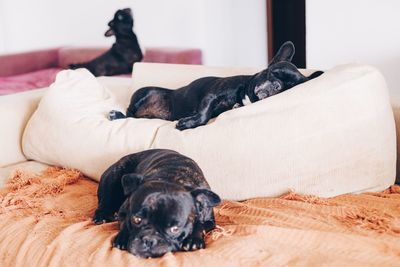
(45, 220)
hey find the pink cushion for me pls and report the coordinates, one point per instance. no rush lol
(70, 55)
(39, 68)
(173, 55)
(25, 62)
(27, 81)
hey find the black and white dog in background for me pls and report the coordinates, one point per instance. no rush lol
(125, 51)
(205, 98)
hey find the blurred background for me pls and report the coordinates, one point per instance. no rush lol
(229, 32)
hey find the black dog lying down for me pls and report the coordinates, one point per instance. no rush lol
(205, 98)
(124, 52)
(163, 201)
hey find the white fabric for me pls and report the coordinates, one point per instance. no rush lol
(70, 127)
(395, 102)
(15, 111)
(329, 136)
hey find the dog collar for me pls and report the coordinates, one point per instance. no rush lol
(246, 100)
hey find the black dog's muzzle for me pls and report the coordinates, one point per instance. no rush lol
(150, 244)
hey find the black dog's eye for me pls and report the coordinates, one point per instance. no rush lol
(136, 219)
(120, 17)
(174, 229)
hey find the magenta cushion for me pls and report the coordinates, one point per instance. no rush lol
(26, 71)
(26, 62)
(70, 55)
(27, 81)
(173, 55)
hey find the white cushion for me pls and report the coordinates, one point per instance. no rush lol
(70, 127)
(15, 111)
(332, 135)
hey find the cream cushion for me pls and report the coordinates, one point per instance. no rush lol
(15, 111)
(332, 135)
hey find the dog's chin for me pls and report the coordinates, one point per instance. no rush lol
(153, 253)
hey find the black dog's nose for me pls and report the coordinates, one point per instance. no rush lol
(149, 241)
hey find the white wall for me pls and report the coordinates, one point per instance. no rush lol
(235, 32)
(2, 24)
(363, 31)
(230, 32)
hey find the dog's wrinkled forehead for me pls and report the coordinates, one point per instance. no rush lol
(168, 207)
(162, 204)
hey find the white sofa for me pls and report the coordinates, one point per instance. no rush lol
(333, 135)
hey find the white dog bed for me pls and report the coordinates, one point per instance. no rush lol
(332, 135)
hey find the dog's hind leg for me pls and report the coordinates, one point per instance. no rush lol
(115, 115)
(150, 102)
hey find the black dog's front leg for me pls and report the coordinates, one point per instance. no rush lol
(110, 192)
(110, 197)
(191, 122)
(121, 239)
(201, 118)
(195, 240)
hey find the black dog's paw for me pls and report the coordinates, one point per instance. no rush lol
(120, 241)
(192, 243)
(181, 125)
(187, 123)
(101, 217)
(115, 115)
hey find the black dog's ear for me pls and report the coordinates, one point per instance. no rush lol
(285, 53)
(205, 197)
(287, 73)
(315, 74)
(130, 182)
(127, 10)
(205, 200)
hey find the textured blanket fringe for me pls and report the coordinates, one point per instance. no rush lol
(394, 189)
(368, 219)
(20, 179)
(24, 188)
(291, 195)
(218, 232)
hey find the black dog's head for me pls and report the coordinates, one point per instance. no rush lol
(158, 216)
(121, 24)
(280, 75)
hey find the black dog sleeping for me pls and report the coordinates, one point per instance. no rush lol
(205, 98)
(125, 51)
(163, 202)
